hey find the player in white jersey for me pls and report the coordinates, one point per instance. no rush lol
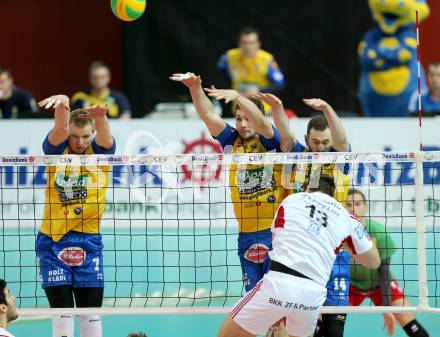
(8, 311)
(309, 229)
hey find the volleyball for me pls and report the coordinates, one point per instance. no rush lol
(128, 10)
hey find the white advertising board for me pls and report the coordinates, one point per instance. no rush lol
(158, 194)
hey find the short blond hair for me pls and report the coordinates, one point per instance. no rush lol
(81, 122)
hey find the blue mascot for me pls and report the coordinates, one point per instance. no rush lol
(388, 58)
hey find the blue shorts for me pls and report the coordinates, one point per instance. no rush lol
(75, 260)
(339, 282)
(253, 251)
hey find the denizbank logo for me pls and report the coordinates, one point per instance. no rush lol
(14, 160)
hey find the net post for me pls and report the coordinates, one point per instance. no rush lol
(420, 233)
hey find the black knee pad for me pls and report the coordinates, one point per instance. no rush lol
(414, 329)
(333, 325)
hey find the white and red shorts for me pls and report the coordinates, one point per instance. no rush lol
(357, 296)
(280, 295)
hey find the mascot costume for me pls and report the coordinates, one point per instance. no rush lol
(388, 58)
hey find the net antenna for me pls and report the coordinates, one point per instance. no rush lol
(419, 80)
(419, 193)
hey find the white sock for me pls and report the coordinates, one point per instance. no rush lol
(90, 326)
(62, 326)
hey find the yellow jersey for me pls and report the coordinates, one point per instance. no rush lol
(256, 190)
(301, 174)
(74, 196)
(116, 102)
(259, 71)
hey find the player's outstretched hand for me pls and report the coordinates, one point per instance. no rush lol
(388, 323)
(318, 104)
(271, 100)
(55, 101)
(189, 79)
(95, 112)
(219, 94)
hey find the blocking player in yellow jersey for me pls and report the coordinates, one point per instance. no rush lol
(256, 190)
(69, 246)
(325, 133)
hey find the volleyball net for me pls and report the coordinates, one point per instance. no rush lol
(170, 231)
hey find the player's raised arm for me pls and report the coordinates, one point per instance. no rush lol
(103, 137)
(60, 131)
(339, 137)
(256, 117)
(203, 105)
(287, 137)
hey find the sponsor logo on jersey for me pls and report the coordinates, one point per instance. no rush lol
(360, 231)
(56, 275)
(271, 198)
(256, 253)
(71, 188)
(72, 256)
(315, 227)
(253, 180)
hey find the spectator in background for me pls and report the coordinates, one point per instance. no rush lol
(99, 93)
(431, 96)
(137, 334)
(14, 100)
(249, 68)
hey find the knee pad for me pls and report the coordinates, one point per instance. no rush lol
(90, 326)
(333, 325)
(414, 329)
(63, 326)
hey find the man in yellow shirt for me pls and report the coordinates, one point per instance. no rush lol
(249, 68)
(256, 190)
(100, 93)
(69, 246)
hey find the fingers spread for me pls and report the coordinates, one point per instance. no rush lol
(42, 103)
(176, 77)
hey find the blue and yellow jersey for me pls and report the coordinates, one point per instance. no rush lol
(259, 71)
(75, 196)
(301, 174)
(117, 103)
(256, 190)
